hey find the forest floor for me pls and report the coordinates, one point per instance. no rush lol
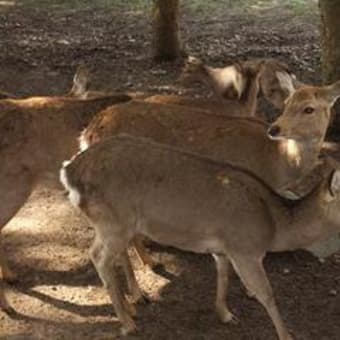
(59, 295)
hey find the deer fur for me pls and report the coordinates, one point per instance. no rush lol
(128, 186)
(202, 104)
(242, 141)
(36, 135)
(235, 87)
(307, 114)
(224, 86)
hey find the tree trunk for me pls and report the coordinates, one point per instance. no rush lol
(166, 41)
(330, 14)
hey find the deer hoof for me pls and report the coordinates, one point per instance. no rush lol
(227, 317)
(129, 328)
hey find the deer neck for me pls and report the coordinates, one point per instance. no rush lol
(299, 158)
(249, 95)
(301, 223)
(82, 118)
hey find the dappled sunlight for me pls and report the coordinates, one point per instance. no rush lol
(54, 310)
(48, 256)
(47, 216)
(6, 6)
(7, 3)
(78, 295)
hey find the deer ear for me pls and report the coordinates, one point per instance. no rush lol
(334, 185)
(296, 82)
(332, 92)
(285, 81)
(80, 81)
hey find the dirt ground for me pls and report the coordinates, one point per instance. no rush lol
(59, 295)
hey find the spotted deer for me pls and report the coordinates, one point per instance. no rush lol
(128, 186)
(36, 135)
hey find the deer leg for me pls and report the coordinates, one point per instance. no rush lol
(4, 305)
(142, 253)
(222, 266)
(253, 276)
(104, 257)
(15, 190)
(134, 289)
(5, 273)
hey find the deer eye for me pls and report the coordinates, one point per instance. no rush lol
(308, 110)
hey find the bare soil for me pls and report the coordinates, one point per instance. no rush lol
(59, 295)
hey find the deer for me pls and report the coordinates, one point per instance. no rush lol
(36, 135)
(126, 186)
(248, 101)
(232, 81)
(236, 95)
(289, 167)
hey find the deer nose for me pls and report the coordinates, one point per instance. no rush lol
(273, 131)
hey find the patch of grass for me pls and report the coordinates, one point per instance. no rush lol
(302, 7)
(205, 7)
(210, 7)
(79, 4)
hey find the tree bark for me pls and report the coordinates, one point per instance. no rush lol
(166, 40)
(330, 34)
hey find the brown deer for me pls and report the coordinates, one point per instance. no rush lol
(128, 186)
(286, 165)
(232, 81)
(308, 108)
(36, 135)
(243, 141)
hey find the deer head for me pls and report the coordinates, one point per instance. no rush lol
(227, 82)
(307, 113)
(271, 85)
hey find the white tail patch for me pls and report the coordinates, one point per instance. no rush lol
(83, 144)
(73, 194)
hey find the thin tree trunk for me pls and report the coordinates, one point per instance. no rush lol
(330, 16)
(166, 41)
